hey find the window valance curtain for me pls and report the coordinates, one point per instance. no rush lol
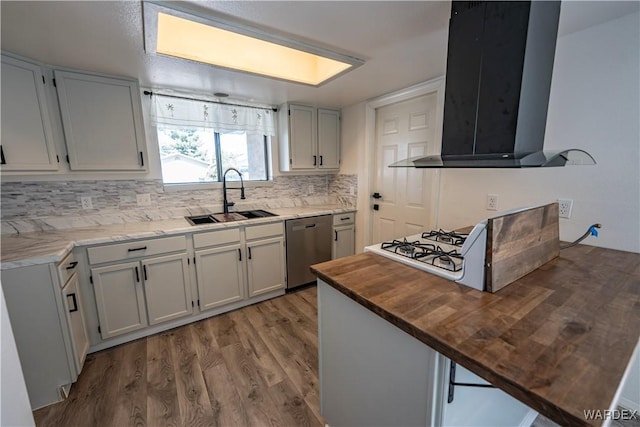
(168, 110)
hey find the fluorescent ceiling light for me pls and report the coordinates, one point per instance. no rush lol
(182, 34)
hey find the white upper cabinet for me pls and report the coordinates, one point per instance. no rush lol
(328, 139)
(309, 138)
(302, 137)
(27, 137)
(102, 121)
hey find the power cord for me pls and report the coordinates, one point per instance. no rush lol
(592, 231)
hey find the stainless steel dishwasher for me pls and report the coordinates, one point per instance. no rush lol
(308, 243)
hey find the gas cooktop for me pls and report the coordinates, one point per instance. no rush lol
(448, 254)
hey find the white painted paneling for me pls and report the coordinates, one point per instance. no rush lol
(15, 409)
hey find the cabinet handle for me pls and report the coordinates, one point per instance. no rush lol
(144, 269)
(141, 159)
(137, 249)
(72, 265)
(335, 231)
(75, 302)
(137, 275)
(344, 218)
(2, 159)
(249, 253)
(320, 160)
(314, 160)
(239, 254)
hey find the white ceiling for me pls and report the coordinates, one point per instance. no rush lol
(403, 43)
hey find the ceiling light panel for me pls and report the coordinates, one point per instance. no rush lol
(211, 40)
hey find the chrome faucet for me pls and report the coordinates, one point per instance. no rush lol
(226, 203)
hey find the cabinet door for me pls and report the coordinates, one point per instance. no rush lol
(167, 288)
(328, 139)
(119, 298)
(27, 139)
(265, 265)
(75, 319)
(102, 119)
(343, 241)
(302, 137)
(220, 278)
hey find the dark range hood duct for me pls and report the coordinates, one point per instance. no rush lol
(499, 68)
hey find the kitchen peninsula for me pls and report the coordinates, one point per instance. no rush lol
(559, 339)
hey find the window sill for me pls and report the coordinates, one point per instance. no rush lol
(171, 188)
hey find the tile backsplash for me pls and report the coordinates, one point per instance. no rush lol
(32, 206)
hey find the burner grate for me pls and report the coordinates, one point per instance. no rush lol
(449, 237)
(426, 253)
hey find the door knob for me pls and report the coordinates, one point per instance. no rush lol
(376, 196)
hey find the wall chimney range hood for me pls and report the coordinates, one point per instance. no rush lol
(499, 68)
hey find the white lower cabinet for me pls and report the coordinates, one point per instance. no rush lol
(119, 298)
(235, 264)
(344, 235)
(75, 319)
(135, 294)
(167, 288)
(44, 307)
(140, 287)
(220, 277)
(265, 265)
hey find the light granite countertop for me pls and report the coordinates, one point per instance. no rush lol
(43, 247)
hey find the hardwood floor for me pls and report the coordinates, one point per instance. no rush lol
(256, 366)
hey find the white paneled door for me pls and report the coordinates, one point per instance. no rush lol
(407, 196)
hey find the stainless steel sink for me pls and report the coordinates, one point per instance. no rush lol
(258, 213)
(232, 216)
(200, 219)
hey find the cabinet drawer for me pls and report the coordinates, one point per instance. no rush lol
(344, 219)
(215, 238)
(66, 268)
(265, 230)
(135, 249)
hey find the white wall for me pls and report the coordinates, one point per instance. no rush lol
(353, 161)
(595, 106)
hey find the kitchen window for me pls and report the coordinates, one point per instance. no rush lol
(199, 140)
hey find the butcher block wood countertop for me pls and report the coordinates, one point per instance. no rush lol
(559, 339)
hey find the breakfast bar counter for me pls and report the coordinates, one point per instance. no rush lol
(559, 339)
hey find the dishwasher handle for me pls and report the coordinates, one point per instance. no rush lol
(309, 227)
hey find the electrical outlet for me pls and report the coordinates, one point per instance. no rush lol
(564, 208)
(492, 202)
(143, 199)
(311, 189)
(86, 202)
